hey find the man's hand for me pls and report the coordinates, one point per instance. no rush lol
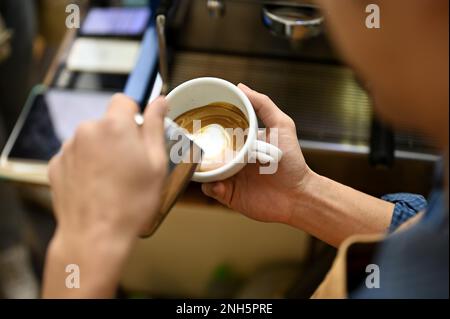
(295, 195)
(106, 184)
(266, 198)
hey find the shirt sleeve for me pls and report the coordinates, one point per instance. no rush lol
(406, 206)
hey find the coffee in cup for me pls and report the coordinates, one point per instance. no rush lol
(219, 129)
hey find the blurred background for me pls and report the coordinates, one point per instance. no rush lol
(202, 249)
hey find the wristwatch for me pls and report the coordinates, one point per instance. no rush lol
(5, 41)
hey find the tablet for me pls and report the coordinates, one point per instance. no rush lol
(50, 118)
(116, 22)
(103, 55)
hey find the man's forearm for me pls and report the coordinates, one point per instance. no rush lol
(99, 266)
(333, 212)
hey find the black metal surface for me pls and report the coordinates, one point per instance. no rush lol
(325, 101)
(164, 7)
(382, 144)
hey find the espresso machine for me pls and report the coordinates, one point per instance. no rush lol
(281, 48)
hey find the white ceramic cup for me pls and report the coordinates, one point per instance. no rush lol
(203, 91)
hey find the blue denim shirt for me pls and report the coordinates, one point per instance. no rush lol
(414, 263)
(406, 206)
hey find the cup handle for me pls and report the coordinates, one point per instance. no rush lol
(266, 153)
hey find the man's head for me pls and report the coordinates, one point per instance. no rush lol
(404, 63)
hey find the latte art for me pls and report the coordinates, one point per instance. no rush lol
(220, 131)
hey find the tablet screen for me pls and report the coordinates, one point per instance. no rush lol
(53, 118)
(117, 21)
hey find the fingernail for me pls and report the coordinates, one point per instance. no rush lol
(213, 189)
(244, 86)
(208, 189)
(217, 188)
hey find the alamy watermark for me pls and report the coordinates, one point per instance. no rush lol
(73, 279)
(372, 280)
(373, 20)
(73, 16)
(373, 277)
(227, 145)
